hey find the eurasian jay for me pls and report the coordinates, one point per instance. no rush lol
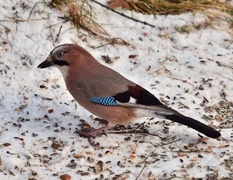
(108, 95)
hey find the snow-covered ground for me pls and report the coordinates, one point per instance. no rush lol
(186, 61)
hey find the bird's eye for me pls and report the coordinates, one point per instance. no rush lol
(60, 53)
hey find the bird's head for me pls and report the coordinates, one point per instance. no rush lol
(57, 57)
(63, 57)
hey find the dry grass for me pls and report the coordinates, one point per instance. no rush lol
(164, 7)
(80, 14)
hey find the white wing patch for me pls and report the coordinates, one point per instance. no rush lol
(132, 100)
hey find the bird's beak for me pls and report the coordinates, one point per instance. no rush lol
(48, 62)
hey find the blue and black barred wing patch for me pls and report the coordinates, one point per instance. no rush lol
(106, 101)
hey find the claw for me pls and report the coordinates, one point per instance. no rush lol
(103, 133)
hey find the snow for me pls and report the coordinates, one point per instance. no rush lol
(191, 72)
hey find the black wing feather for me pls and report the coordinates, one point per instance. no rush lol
(141, 95)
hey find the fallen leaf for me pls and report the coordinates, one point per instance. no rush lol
(65, 177)
(132, 56)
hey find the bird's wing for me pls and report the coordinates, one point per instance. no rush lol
(133, 96)
(109, 88)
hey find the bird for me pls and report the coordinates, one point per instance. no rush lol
(110, 96)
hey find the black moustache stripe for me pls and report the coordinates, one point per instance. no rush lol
(61, 63)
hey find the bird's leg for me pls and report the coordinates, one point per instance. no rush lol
(91, 132)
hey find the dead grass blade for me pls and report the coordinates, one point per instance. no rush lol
(164, 7)
(82, 16)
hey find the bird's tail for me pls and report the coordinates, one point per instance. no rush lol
(200, 127)
(165, 112)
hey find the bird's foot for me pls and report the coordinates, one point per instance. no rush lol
(91, 132)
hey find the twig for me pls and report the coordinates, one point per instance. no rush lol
(164, 144)
(33, 9)
(122, 14)
(22, 20)
(185, 81)
(224, 64)
(225, 77)
(58, 34)
(134, 132)
(141, 171)
(229, 45)
(220, 63)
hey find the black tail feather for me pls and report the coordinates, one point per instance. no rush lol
(200, 127)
